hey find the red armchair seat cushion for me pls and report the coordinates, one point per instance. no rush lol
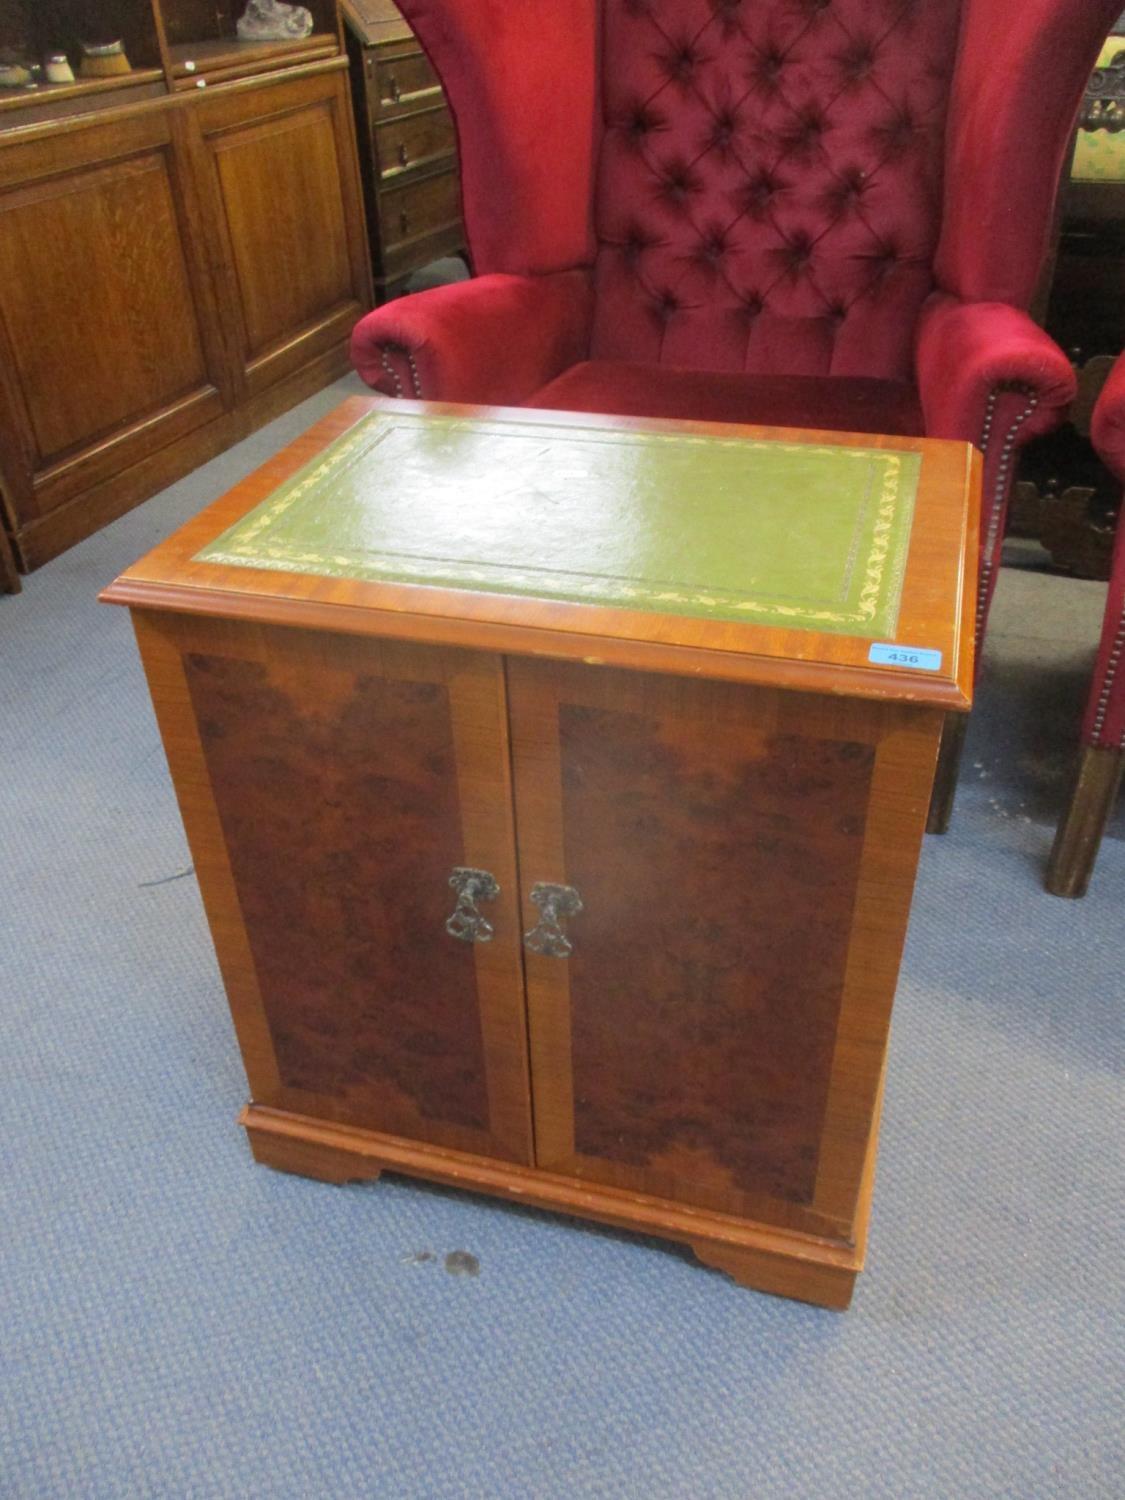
(622, 388)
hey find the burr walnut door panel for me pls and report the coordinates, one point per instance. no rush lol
(105, 351)
(744, 860)
(330, 786)
(284, 192)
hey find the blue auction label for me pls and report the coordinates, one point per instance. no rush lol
(915, 658)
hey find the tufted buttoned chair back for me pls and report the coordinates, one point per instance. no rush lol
(769, 186)
(769, 183)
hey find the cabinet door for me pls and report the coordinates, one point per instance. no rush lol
(330, 787)
(279, 164)
(104, 351)
(744, 859)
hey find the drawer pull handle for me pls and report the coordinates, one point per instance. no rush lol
(403, 221)
(466, 923)
(403, 154)
(555, 902)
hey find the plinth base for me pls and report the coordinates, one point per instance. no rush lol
(757, 1256)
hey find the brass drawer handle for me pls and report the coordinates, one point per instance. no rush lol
(466, 923)
(413, 96)
(403, 155)
(554, 902)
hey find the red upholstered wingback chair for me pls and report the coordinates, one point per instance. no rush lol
(1103, 727)
(818, 213)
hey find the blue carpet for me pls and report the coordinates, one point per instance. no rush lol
(178, 1322)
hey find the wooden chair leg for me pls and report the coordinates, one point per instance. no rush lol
(948, 769)
(1080, 832)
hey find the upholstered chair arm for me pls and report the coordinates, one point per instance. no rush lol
(988, 375)
(967, 352)
(492, 341)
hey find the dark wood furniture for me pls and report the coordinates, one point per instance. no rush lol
(410, 722)
(1086, 816)
(407, 146)
(182, 252)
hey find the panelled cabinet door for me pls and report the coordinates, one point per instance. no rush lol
(284, 201)
(332, 788)
(738, 862)
(103, 353)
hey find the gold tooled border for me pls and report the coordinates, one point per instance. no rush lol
(235, 547)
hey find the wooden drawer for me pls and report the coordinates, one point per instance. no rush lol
(399, 264)
(419, 207)
(412, 141)
(407, 146)
(407, 82)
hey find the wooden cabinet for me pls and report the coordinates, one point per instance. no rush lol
(286, 222)
(598, 908)
(201, 41)
(106, 350)
(33, 31)
(407, 146)
(176, 267)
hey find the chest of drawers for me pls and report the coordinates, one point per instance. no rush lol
(407, 146)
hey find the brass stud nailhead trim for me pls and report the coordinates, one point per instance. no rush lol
(1117, 651)
(385, 351)
(988, 560)
(414, 380)
(384, 357)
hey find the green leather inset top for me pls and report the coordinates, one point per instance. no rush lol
(806, 536)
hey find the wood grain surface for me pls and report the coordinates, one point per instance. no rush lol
(115, 268)
(329, 787)
(170, 239)
(744, 858)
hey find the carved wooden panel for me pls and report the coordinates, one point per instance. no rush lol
(716, 837)
(278, 180)
(105, 336)
(348, 780)
(290, 221)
